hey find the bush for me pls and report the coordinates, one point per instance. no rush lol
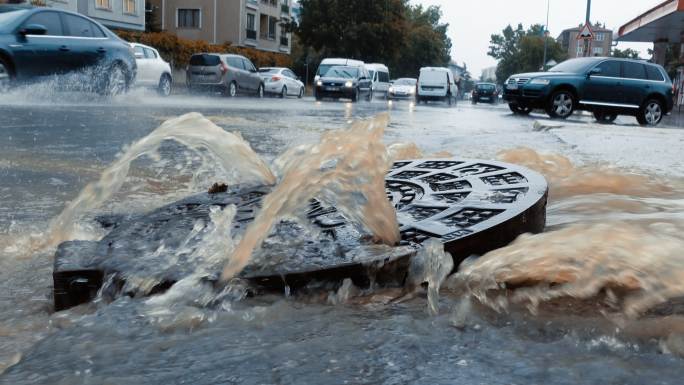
(177, 51)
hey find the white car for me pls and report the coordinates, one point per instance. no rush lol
(281, 81)
(404, 88)
(379, 74)
(153, 71)
(436, 83)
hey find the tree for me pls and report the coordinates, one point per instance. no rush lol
(393, 32)
(520, 50)
(626, 53)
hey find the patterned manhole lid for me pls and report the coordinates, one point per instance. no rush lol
(472, 206)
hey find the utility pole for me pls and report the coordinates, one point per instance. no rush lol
(545, 34)
(587, 21)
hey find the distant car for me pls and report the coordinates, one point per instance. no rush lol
(39, 43)
(608, 87)
(485, 92)
(436, 83)
(379, 74)
(404, 88)
(153, 71)
(229, 74)
(327, 63)
(344, 82)
(281, 81)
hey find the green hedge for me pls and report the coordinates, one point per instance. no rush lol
(178, 50)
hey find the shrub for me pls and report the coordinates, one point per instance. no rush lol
(177, 51)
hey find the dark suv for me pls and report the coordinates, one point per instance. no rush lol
(344, 82)
(485, 92)
(39, 43)
(605, 86)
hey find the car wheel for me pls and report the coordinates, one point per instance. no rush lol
(519, 110)
(232, 89)
(651, 113)
(5, 76)
(116, 81)
(283, 92)
(164, 88)
(605, 117)
(301, 93)
(260, 91)
(561, 104)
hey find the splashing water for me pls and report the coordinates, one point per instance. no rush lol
(431, 265)
(346, 169)
(567, 180)
(192, 130)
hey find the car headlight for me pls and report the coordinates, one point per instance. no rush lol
(319, 83)
(412, 91)
(391, 89)
(349, 83)
(542, 81)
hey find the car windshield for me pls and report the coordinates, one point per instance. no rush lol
(269, 70)
(574, 65)
(486, 87)
(342, 72)
(9, 15)
(405, 82)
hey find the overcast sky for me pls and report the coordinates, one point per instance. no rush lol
(472, 22)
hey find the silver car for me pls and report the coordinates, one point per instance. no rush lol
(281, 81)
(230, 74)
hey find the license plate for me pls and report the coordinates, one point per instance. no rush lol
(513, 86)
(332, 88)
(485, 98)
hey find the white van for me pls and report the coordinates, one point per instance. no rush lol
(379, 74)
(327, 63)
(436, 83)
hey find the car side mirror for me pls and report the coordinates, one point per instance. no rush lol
(33, 29)
(594, 71)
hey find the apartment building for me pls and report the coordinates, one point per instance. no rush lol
(246, 23)
(600, 45)
(116, 14)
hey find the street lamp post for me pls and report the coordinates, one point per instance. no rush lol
(546, 31)
(586, 41)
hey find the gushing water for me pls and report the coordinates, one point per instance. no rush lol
(231, 152)
(346, 169)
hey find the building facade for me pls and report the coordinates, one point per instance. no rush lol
(600, 46)
(116, 14)
(258, 24)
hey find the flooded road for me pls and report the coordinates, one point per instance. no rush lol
(595, 299)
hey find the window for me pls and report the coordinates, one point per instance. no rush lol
(235, 62)
(248, 65)
(384, 77)
(106, 4)
(600, 36)
(654, 73)
(49, 20)
(149, 54)
(205, 60)
(129, 6)
(610, 68)
(290, 74)
(580, 49)
(81, 27)
(189, 18)
(251, 22)
(139, 52)
(272, 21)
(633, 70)
(598, 51)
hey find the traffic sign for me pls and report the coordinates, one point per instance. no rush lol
(586, 33)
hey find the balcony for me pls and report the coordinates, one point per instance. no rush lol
(284, 8)
(251, 34)
(284, 41)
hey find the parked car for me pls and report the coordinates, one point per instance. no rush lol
(153, 71)
(344, 82)
(379, 74)
(485, 92)
(281, 81)
(608, 87)
(229, 74)
(403, 88)
(39, 43)
(436, 83)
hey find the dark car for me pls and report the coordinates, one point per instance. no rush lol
(608, 87)
(39, 43)
(344, 82)
(230, 74)
(485, 92)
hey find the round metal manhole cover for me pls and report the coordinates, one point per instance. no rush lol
(472, 206)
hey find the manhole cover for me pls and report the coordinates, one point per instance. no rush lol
(472, 206)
